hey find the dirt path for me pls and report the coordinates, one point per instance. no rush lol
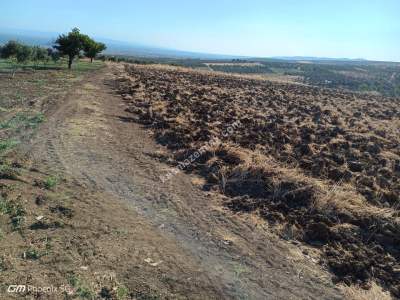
(205, 250)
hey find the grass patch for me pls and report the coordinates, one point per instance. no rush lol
(82, 289)
(84, 66)
(50, 182)
(7, 145)
(78, 65)
(47, 183)
(32, 254)
(122, 293)
(7, 171)
(5, 206)
(23, 120)
(15, 211)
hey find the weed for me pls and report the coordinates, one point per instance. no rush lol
(7, 145)
(50, 182)
(7, 171)
(17, 222)
(3, 266)
(121, 232)
(85, 293)
(239, 270)
(23, 120)
(122, 292)
(15, 211)
(82, 290)
(48, 246)
(5, 207)
(32, 254)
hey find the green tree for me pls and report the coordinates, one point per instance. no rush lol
(24, 54)
(70, 44)
(54, 55)
(92, 48)
(39, 54)
(10, 49)
(17, 53)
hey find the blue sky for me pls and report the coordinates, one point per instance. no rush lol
(329, 28)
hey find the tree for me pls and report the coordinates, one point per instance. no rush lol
(54, 55)
(24, 54)
(17, 53)
(70, 44)
(93, 48)
(39, 54)
(10, 49)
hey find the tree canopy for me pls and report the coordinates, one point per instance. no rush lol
(74, 42)
(92, 48)
(10, 49)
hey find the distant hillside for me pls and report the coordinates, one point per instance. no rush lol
(312, 58)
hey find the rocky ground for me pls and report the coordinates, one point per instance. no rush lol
(320, 166)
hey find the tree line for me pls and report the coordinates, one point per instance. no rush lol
(68, 45)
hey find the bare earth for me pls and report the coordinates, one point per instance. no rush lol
(182, 242)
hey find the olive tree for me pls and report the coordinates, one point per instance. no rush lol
(92, 48)
(53, 54)
(39, 54)
(10, 49)
(70, 44)
(24, 54)
(17, 53)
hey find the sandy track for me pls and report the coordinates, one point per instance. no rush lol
(213, 253)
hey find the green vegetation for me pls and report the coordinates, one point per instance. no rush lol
(383, 78)
(3, 266)
(69, 45)
(32, 254)
(122, 292)
(50, 182)
(15, 211)
(7, 65)
(74, 42)
(22, 120)
(16, 52)
(7, 145)
(7, 171)
(242, 69)
(82, 289)
(92, 48)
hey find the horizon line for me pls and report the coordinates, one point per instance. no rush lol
(228, 55)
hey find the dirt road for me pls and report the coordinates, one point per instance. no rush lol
(198, 249)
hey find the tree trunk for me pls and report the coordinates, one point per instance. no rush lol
(70, 63)
(13, 71)
(91, 59)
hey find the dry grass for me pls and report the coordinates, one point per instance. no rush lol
(374, 293)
